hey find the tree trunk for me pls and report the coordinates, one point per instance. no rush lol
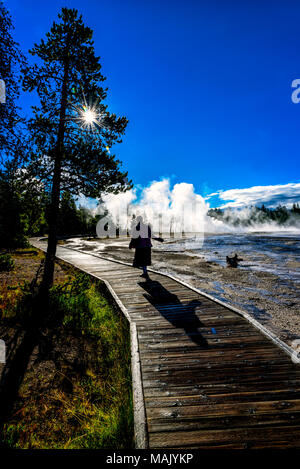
(48, 274)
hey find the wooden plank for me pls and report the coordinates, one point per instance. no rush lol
(210, 389)
(223, 422)
(252, 437)
(203, 399)
(222, 410)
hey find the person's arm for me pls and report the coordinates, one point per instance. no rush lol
(161, 240)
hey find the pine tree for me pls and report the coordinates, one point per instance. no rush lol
(71, 130)
(10, 61)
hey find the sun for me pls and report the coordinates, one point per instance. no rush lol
(89, 116)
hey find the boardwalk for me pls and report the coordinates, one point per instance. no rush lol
(203, 375)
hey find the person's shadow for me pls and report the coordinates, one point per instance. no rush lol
(182, 315)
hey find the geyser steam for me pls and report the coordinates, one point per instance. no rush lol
(178, 210)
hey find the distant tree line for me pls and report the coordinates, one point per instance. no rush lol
(253, 215)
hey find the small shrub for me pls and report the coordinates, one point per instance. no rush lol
(6, 263)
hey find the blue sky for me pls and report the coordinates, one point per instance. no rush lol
(206, 85)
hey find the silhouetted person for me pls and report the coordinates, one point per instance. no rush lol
(141, 242)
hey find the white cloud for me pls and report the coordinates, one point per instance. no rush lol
(270, 196)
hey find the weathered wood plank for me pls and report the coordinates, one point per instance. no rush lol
(204, 399)
(253, 437)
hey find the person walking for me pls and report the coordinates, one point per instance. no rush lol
(141, 242)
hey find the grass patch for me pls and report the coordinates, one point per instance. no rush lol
(6, 263)
(76, 392)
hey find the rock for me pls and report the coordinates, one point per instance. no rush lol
(233, 261)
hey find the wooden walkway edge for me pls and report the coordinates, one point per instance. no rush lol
(205, 375)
